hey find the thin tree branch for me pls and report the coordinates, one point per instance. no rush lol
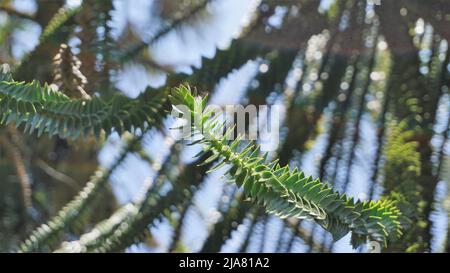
(16, 13)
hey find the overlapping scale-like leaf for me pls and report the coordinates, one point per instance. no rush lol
(290, 193)
(42, 109)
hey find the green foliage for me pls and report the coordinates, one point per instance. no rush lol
(289, 193)
(225, 61)
(153, 206)
(307, 60)
(401, 154)
(56, 24)
(137, 49)
(56, 32)
(42, 109)
(402, 167)
(222, 230)
(100, 232)
(46, 235)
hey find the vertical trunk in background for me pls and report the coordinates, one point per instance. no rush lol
(87, 19)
